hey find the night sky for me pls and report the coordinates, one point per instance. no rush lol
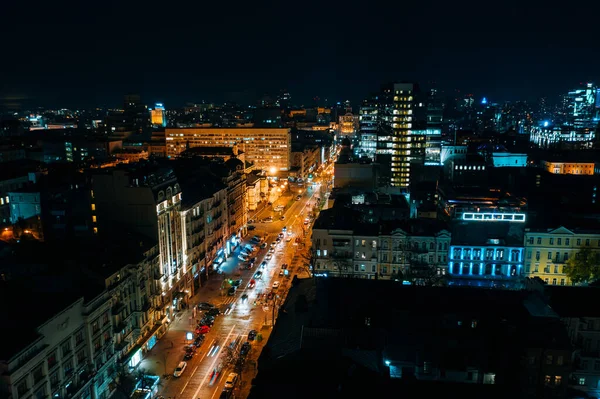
(86, 53)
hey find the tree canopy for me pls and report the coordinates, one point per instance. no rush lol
(583, 267)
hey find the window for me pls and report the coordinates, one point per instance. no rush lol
(537, 255)
(581, 381)
(539, 241)
(562, 281)
(384, 258)
(51, 360)
(105, 319)
(549, 255)
(318, 252)
(38, 374)
(565, 257)
(548, 380)
(324, 252)
(587, 242)
(555, 269)
(93, 207)
(530, 240)
(54, 380)
(94, 219)
(528, 254)
(95, 327)
(559, 241)
(66, 348)
(559, 360)
(553, 281)
(549, 359)
(551, 241)
(373, 269)
(578, 241)
(79, 337)
(80, 357)
(557, 380)
(22, 387)
(567, 241)
(68, 368)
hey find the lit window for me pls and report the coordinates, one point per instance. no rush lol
(95, 230)
(581, 380)
(94, 218)
(93, 207)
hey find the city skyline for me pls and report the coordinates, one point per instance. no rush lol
(209, 53)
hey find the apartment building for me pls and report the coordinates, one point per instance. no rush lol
(205, 229)
(145, 199)
(89, 320)
(548, 250)
(268, 149)
(415, 249)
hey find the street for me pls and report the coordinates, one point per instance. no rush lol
(200, 380)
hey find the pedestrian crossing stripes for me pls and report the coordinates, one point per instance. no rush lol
(229, 300)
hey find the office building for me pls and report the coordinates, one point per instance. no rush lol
(367, 123)
(396, 137)
(487, 249)
(158, 116)
(547, 251)
(267, 148)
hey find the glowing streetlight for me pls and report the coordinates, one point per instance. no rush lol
(273, 170)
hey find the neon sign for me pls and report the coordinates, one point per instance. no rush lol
(493, 217)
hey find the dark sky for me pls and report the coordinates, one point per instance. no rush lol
(88, 53)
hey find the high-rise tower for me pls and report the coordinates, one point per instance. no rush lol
(396, 135)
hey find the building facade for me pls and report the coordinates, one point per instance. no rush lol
(366, 252)
(547, 251)
(403, 253)
(147, 202)
(569, 168)
(267, 148)
(396, 136)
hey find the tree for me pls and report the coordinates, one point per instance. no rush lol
(583, 267)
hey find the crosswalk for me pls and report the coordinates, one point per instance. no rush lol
(229, 300)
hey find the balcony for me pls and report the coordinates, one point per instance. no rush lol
(119, 327)
(117, 308)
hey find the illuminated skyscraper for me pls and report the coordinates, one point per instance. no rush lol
(396, 136)
(368, 114)
(158, 116)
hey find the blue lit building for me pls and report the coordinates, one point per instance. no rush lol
(487, 249)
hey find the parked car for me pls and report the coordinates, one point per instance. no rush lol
(244, 298)
(179, 369)
(243, 258)
(188, 355)
(245, 348)
(281, 273)
(273, 244)
(275, 285)
(269, 256)
(231, 291)
(213, 312)
(263, 245)
(252, 335)
(207, 321)
(284, 266)
(203, 330)
(198, 341)
(252, 283)
(251, 227)
(264, 264)
(205, 306)
(298, 198)
(282, 217)
(258, 275)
